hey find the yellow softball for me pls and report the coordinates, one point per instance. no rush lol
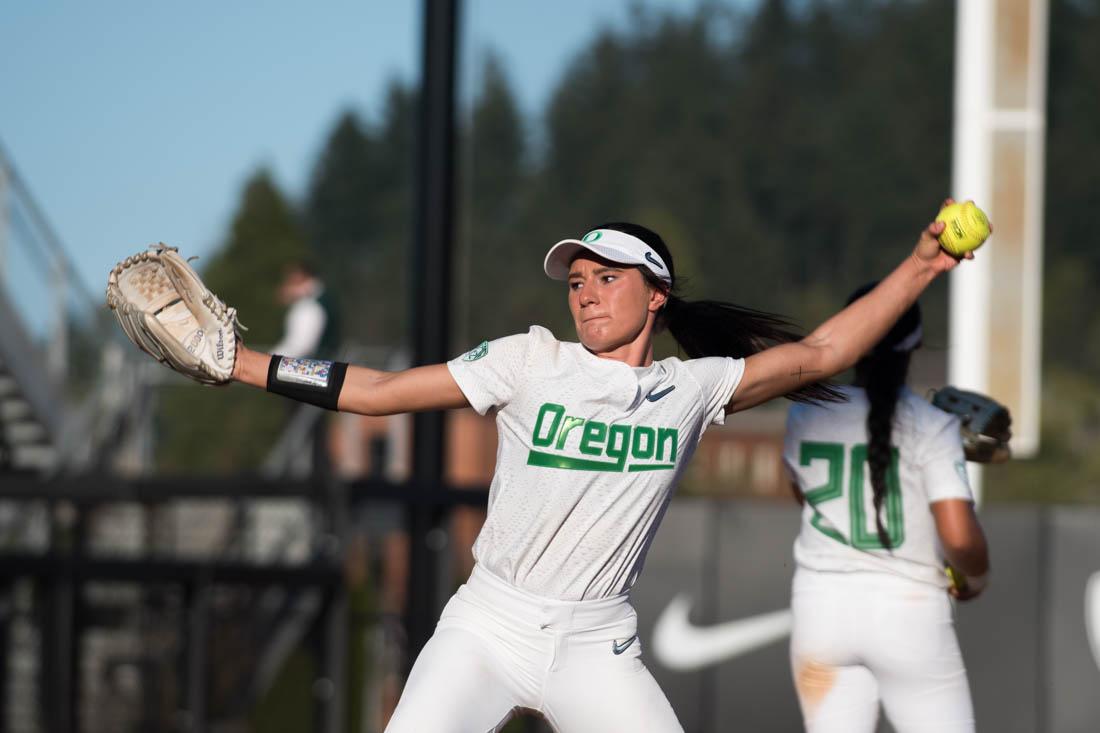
(966, 228)
(957, 579)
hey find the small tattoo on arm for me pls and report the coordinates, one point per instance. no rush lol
(801, 373)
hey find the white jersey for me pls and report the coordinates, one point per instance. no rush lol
(826, 452)
(589, 452)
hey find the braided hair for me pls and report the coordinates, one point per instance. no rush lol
(717, 328)
(883, 372)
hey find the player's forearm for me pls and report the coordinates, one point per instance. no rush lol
(373, 392)
(961, 536)
(251, 367)
(851, 333)
(353, 388)
(972, 557)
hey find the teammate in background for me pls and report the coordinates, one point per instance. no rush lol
(312, 326)
(593, 438)
(883, 482)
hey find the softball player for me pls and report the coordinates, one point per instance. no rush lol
(885, 503)
(593, 437)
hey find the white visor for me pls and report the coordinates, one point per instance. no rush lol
(611, 244)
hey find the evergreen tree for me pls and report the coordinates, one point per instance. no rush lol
(263, 239)
(497, 260)
(387, 285)
(359, 217)
(337, 211)
(788, 153)
(1071, 322)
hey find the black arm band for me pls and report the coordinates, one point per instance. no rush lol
(315, 381)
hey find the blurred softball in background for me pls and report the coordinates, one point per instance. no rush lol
(966, 228)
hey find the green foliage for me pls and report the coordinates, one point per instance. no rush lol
(264, 238)
(216, 430)
(359, 215)
(787, 153)
(500, 285)
(786, 158)
(222, 430)
(1071, 321)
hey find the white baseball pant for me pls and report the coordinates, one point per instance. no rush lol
(864, 637)
(497, 648)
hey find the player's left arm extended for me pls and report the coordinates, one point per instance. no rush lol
(371, 391)
(839, 342)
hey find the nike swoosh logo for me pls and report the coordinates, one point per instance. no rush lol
(649, 256)
(654, 396)
(618, 648)
(680, 645)
(1092, 614)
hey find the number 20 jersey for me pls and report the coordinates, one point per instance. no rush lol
(825, 452)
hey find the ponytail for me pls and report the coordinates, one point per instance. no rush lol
(885, 375)
(714, 328)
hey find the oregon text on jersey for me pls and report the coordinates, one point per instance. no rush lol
(650, 449)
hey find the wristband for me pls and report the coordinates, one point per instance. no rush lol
(314, 381)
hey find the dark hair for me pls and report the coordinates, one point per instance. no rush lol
(304, 266)
(716, 328)
(883, 372)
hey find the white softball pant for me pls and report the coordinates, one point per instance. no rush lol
(861, 638)
(497, 648)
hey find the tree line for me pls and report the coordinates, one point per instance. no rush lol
(787, 153)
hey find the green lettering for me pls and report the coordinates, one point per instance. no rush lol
(667, 435)
(616, 443)
(549, 408)
(862, 536)
(594, 434)
(636, 448)
(618, 449)
(833, 455)
(570, 423)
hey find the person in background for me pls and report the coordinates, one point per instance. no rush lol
(312, 325)
(886, 505)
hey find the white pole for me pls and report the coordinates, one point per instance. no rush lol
(968, 350)
(999, 134)
(1026, 439)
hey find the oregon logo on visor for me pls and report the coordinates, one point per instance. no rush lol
(592, 236)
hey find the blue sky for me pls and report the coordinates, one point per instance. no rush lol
(134, 122)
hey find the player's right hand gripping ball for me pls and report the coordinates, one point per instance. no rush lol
(167, 311)
(966, 228)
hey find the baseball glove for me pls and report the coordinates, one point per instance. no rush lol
(165, 309)
(986, 423)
